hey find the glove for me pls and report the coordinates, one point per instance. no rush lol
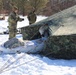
(22, 19)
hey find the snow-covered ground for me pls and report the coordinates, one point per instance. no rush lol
(32, 64)
(4, 23)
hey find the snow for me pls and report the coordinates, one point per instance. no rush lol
(4, 23)
(32, 64)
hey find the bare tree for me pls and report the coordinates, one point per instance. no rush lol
(38, 5)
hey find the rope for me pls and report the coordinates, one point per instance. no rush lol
(6, 65)
(34, 35)
(18, 65)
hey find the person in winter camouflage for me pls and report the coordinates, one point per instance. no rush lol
(12, 20)
(44, 30)
(32, 17)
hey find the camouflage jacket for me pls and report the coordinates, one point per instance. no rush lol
(14, 18)
(32, 17)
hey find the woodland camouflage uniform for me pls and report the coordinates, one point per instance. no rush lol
(32, 17)
(13, 19)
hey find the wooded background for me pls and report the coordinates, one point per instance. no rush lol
(42, 7)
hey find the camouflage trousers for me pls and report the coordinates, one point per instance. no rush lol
(31, 22)
(12, 30)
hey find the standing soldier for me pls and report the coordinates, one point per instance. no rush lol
(32, 17)
(13, 19)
